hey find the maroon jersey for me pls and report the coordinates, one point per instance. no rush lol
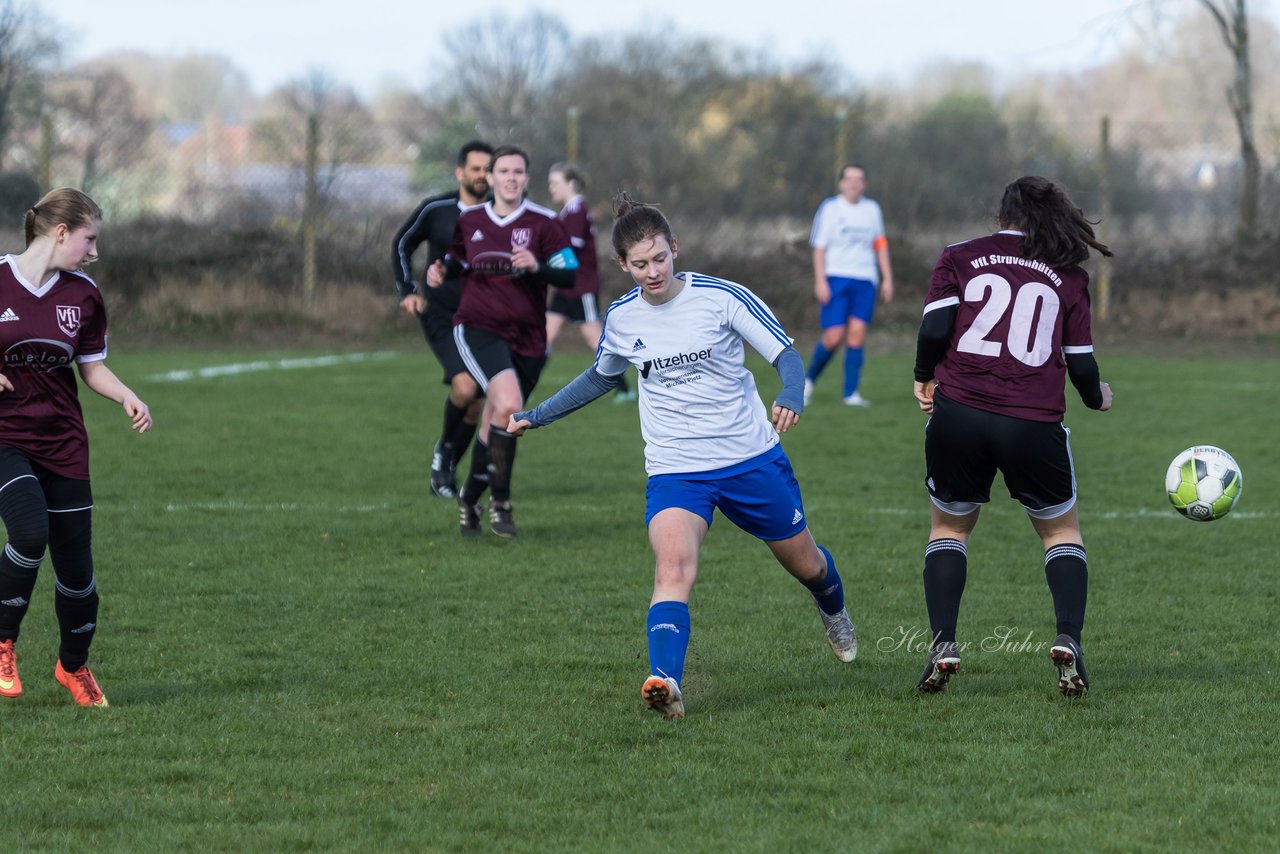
(577, 223)
(511, 306)
(44, 329)
(1015, 319)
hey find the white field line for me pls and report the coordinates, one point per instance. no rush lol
(1144, 513)
(269, 365)
(268, 507)
(294, 507)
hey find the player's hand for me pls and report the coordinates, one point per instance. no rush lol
(924, 394)
(784, 419)
(523, 261)
(517, 428)
(138, 412)
(6, 384)
(886, 290)
(413, 304)
(822, 290)
(435, 274)
(1106, 397)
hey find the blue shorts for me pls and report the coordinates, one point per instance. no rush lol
(849, 298)
(763, 500)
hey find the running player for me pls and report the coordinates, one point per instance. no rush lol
(433, 221)
(508, 250)
(709, 441)
(53, 316)
(848, 246)
(579, 304)
(1006, 321)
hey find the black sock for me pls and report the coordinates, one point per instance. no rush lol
(478, 480)
(458, 443)
(502, 456)
(1067, 570)
(946, 566)
(623, 387)
(75, 594)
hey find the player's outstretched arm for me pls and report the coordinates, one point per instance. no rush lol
(584, 388)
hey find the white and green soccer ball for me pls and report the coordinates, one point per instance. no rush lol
(1204, 483)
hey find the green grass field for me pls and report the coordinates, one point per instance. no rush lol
(301, 653)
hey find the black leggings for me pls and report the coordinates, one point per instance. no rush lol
(42, 510)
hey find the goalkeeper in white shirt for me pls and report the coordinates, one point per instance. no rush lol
(710, 443)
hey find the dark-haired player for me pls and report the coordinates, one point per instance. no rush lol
(432, 222)
(508, 250)
(52, 317)
(1006, 321)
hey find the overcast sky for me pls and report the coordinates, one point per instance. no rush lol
(366, 43)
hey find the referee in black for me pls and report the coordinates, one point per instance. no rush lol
(433, 222)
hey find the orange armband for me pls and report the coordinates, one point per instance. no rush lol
(880, 242)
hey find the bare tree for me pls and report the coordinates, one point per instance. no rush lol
(316, 112)
(97, 113)
(504, 70)
(22, 49)
(1232, 19)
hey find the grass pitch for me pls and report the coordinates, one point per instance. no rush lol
(302, 654)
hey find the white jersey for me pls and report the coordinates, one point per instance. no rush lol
(848, 232)
(699, 408)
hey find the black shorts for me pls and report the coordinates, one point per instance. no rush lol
(437, 328)
(61, 494)
(581, 309)
(963, 448)
(487, 354)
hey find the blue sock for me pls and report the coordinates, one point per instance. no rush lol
(668, 638)
(821, 355)
(829, 592)
(852, 369)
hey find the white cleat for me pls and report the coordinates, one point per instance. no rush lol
(856, 399)
(841, 634)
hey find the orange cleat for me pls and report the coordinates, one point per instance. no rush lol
(10, 684)
(83, 687)
(662, 694)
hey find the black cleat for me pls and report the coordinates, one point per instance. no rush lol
(1067, 656)
(468, 519)
(502, 519)
(443, 482)
(944, 662)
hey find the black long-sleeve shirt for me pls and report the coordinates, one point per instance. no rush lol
(432, 222)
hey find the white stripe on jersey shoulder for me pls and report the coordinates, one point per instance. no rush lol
(539, 209)
(754, 305)
(962, 242)
(941, 303)
(1077, 348)
(464, 208)
(82, 276)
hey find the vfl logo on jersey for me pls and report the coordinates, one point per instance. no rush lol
(639, 345)
(521, 238)
(9, 316)
(69, 319)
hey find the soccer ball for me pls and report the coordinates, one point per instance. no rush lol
(1204, 483)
